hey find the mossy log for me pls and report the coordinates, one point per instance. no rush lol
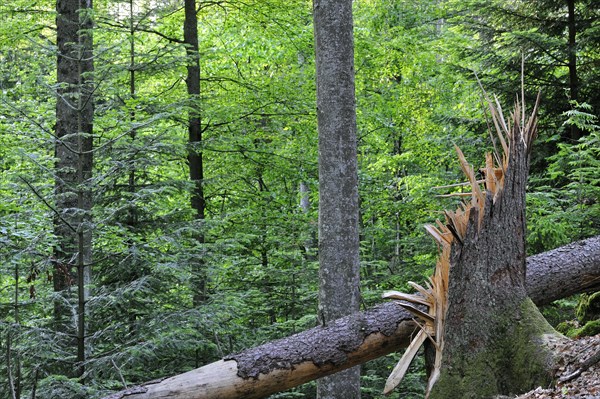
(283, 364)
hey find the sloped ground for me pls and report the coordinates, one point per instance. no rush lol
(578, 375)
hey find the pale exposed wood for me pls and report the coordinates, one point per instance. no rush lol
(402, 367)
(455, 227)
(220, 380)
(405, 297)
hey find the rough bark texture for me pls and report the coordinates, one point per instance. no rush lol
(67, 25)
(285, 363)
(338, 177)
(195, 158)
(494, 334)
(327, 347)
(320, 351)
(73, 169)
(565, 271)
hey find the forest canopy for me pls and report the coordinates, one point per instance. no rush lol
(159, 170)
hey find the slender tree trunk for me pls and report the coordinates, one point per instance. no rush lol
(195, 160)
(494, 335)
(73, 149)
(132, 216)
(12, 384)
(13, 361)
(67, 25)
(572, 53)
(338, 178)
(131, 220)
(84, 167)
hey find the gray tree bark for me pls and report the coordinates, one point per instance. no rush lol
(132, 212)
(386, 328)
(563, 272)
(338, 178)
(494, 336)
(73, 169)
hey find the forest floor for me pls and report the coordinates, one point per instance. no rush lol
(578, 374)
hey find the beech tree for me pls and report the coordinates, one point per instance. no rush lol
(338, 178)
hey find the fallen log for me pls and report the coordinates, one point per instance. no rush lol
(282, 364)
(564, 271)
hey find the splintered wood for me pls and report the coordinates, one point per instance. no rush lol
(453, 230)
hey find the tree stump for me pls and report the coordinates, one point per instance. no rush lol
(494, 336)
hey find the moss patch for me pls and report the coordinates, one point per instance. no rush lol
(572, 329)
(568, 328)
(531, 361)
(478, 381)
(515, 361)
(590, 328)
(588, 308)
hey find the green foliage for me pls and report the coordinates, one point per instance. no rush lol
(589, 329)
(560, 310)
(588, 308)
(58, 386)
(504, 34)
(416, 96)
(572, 329)
(374, 375)
(564, 204)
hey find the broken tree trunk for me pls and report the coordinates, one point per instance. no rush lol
(494, 339)
(283, 364)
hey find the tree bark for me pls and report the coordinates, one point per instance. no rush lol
(132, 213)
(565, 271)
(572, 56)
(195, 158)
(338, 178)
(386, 328)
(494, 337)
(73, 168)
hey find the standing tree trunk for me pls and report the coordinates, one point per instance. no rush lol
(494, 336)
(73, 150)
(195, 161)
(310, 241)
(338, 178)
(572, 56)
(132, 214)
